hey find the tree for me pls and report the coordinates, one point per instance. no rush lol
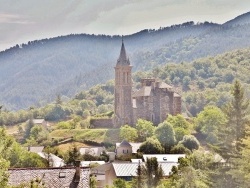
(145, 129)
(58, 100)
(209, 122)
(119, 183)
(241, 174)
(153, 172)
(28, 127)
(190, 142)
(72, 155)
(166, 135)
(128, 133)
(236, 112)
(151, 146)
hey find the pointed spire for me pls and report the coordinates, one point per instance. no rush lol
(123, 59)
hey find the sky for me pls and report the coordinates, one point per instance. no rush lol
(26, 20)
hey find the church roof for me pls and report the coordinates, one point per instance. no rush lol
(123, 59)
(143, 92)
(163, 85)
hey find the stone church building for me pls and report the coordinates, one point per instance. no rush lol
(153, 101)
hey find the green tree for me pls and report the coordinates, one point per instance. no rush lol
(190, 142)
(28, 127)
(145, 129)
(119, 183)
(209, 122)
(128, 133)
(153, 172)
(166, 135)
(151, 146)
(236, 112)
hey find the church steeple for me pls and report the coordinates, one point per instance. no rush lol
(123, 59)
(123, 90)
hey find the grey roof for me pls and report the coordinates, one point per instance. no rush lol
(95, 151)
(135, 147)
(123, 59)
(145, 91)
(35, 149)
(38, 121)
(124, 143)
(54, 160)
(125, 169)
(51, 177)
(164, 157)
(129, 169)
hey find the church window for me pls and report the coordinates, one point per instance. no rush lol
(127, 78)
(124, 77)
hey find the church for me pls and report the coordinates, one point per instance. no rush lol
(153, 101)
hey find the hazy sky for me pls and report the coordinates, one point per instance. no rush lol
(25, 20)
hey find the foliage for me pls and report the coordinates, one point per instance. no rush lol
(151, 146)
(166, 135)
(209, 122)
(119, 183)
(180, 149)
(190, 142)
(128, 133)
(145, 129)
(153, 172)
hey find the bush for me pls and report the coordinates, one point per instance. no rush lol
(151, 146)
(180, 149)
(190, 142)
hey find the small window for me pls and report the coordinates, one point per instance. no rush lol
(62, 174)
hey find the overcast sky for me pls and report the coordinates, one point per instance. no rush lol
(25, 20)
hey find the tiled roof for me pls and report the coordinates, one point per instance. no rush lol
(164, 157)
(51, 177)
(145, 91)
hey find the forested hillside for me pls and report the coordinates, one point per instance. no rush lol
(205, 81)
(33, 74)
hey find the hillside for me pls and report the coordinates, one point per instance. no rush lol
(33, 74)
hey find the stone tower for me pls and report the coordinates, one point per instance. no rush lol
(123, 90)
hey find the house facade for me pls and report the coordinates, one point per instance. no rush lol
(152, 102)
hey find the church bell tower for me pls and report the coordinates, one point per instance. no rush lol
(123, 90)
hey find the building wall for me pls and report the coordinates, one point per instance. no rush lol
(123, 151)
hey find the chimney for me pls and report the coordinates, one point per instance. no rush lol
(77, 173)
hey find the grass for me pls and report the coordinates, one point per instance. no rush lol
(97, 135)
(67, 146)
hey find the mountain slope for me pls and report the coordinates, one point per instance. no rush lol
(34, 73)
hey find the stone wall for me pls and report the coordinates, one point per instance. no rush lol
(101, 123)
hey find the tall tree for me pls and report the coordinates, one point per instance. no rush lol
(236, 112)
(153, 172)
(166, 135)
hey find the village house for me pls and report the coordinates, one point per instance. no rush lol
(73, 177)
